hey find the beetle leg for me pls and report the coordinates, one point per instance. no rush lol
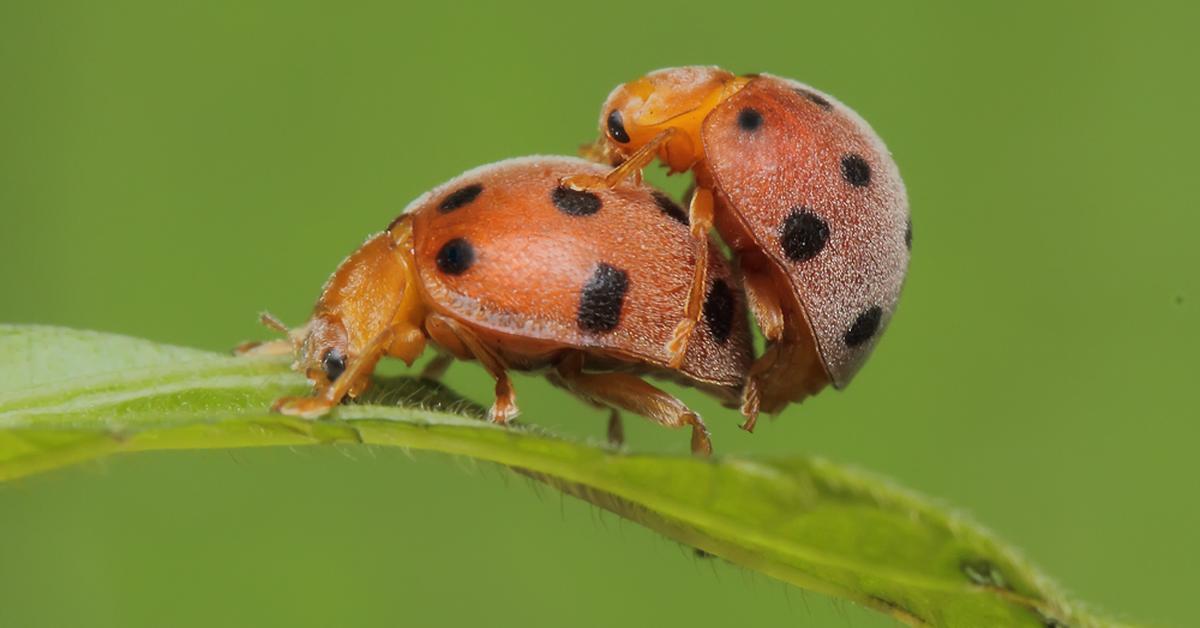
(453, 335)
(631, 167)
(616, 428)
(700, 216)
(407, 343)
(752, 391)
(627, 392)
(787, 372)
(304, 407)
(435, 368)
(573, 362)
(764, 303)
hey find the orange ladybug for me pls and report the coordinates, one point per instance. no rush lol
(506, 266)
(804, 192)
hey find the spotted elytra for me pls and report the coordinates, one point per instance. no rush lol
(804, 192)
(506, 266)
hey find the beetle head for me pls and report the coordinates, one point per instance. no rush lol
(359, 304)
(323, 351)
(675, 98)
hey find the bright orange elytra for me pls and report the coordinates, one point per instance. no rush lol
(506, 266)
(802, 190)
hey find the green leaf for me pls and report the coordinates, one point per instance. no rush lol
(68, 396)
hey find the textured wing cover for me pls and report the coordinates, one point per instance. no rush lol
(609, 276)
(803, 165)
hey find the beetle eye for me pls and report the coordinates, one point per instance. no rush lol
(616, 127)
(334, 363)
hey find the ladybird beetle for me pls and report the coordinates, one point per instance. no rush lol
(506, 266)
(802, 190)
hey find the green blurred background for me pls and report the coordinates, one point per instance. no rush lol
(168, 170)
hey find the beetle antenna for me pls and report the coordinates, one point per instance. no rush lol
(268, 320)
(594, 151)
(273, 347)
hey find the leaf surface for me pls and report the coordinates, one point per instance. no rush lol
(67, 396)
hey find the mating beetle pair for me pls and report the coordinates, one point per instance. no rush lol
(562, 265)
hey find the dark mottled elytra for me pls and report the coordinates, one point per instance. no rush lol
(455, 256)
(458, 198)
(864, 326)
(602, 299)
(575, 202)
(803, 235)
(908, 234)
(718, 311)
(670, 207)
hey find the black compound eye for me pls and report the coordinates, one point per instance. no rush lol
(334, 364)
(616, 127)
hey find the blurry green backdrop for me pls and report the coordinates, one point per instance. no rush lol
(167, 170)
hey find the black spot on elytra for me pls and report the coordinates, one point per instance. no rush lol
(908, 234)
(670, 207)
(803, 235)
(616, 127)
(602, 299)
(718, 311)
(749, 119)
(864, 326)
(575, 202)
(815, 99)
(455, 256)
(856, 170)
(460, 197)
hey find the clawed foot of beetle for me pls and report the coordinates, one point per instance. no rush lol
(503, 411)
(303, 407)
(584, 182)
(701, 440)
(750, 404)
